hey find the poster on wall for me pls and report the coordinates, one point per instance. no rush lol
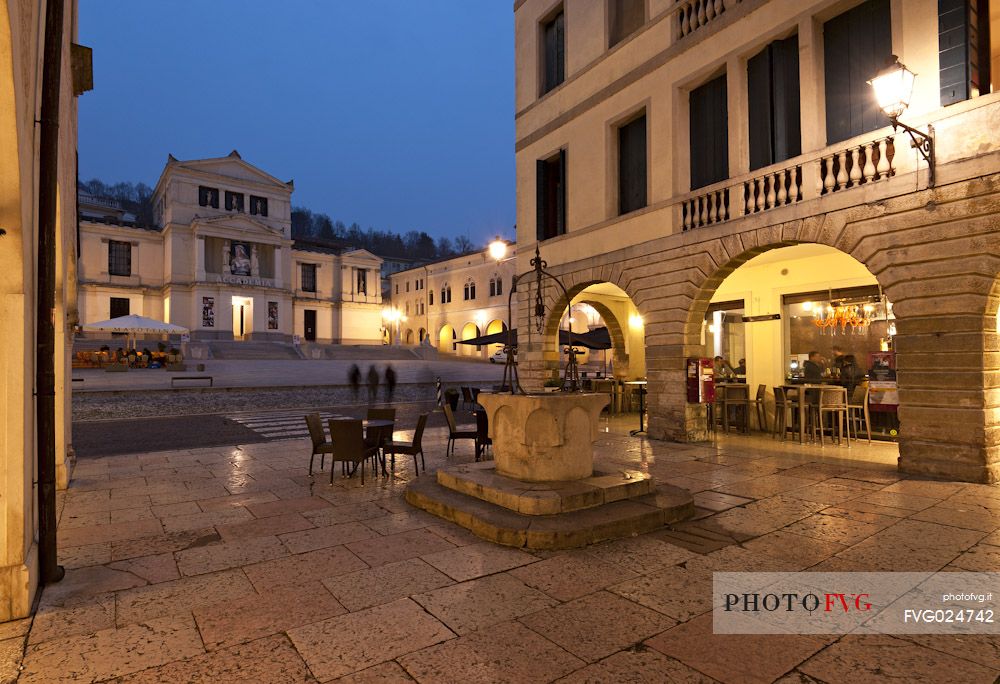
(272, 315)
(208, 312)
(239, 258)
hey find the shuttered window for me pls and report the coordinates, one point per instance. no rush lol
(551, 196)
(856, 45)
(963, 49)
(308, 277)
(632, 165)
(709, 115)
(625, 17)
(773, 103)
(119, 258)
(554, 52)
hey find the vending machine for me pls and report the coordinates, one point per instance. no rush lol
(700, 381)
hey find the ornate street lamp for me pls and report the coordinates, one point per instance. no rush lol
(893, 87)
(571, 376)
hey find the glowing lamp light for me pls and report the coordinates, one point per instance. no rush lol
(391, 314)
(635, 320)
(498, 249)
(807, 306)
(711, 328)
(893, 88)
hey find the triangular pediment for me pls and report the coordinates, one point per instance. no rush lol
(231, 167)
(239, 225)
(362, 254)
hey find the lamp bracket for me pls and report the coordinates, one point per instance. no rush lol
(922, 143)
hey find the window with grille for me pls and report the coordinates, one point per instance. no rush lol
(119, 258)
(309, 277)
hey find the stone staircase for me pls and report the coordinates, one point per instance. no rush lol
(358, 352)
(232, 350)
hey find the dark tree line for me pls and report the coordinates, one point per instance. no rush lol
(136, 198)
(414, 244)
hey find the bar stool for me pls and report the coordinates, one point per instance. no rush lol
(737, 396)
(832, 402)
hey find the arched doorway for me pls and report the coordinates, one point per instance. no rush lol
(777, 308)
(409, 336)
(446, 339)
(470, 331)
(421, 335)
(595, 305)
(495, 326)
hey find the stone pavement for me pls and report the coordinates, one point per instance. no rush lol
(231, 564)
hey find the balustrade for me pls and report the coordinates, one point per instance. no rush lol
(706, 210)
(857, 165)
(772, 190)
(693, 14)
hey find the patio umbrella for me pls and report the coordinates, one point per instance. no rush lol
(598, 338)
(134, 325)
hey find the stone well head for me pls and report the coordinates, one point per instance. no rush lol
(544, 437)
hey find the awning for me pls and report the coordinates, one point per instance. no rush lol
(598, 338)
(136, 325)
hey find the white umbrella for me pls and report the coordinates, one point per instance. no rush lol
(134, 325)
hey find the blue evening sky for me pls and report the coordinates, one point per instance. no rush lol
(393, 113)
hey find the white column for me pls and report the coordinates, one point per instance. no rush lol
(277, 268)
(199, 259)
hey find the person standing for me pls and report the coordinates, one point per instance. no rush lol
(372, 384)
(390, 383)
(354, 378)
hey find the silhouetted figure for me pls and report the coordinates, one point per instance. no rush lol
(390, 383)
(372, 384)
(354, 378)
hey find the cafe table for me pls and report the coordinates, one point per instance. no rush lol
(366, 424)
(802, 402)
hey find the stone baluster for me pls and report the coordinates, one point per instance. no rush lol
(686, 215)
(855, 167)
(724, 204)
(719, 7)
(771, 179)
(748, 198)
(883, 158)
(793, 185)
(711, 207)
(709, 10)
(701, 211)
(842, 171)
(782, 194)
(701, 13)
(828, 178)
(869, 170)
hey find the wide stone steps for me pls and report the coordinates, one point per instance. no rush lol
(252, 351)
(571, 529)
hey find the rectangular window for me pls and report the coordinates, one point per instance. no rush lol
(234, 201)
(625, 17)
(964, 49)
(362, 281)
(430, 298)
(258, 206)
(119, 307)
(709, 126)
(632, 165)
(208, 197)
(308, 277)
(407, 285)
(119, 258)
(773, 103)
(856, 45)
(551, 200)
(553, 52)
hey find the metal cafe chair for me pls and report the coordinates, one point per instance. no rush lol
(857, 412)
(760, 404)
(483, 440)
(454, 434)
(376, 437)
(832, 403)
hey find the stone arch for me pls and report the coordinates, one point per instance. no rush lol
(446, 339)
(409, 336)
(421, 334)
(469, 331)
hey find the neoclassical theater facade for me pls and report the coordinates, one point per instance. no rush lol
(220, 260)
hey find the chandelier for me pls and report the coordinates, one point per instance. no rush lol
(846, 317)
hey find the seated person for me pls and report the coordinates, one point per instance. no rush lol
(813, 366)
(741, 367)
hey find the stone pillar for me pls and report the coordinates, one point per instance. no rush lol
(225, 258)
(946, 369)
(199, 259)
(277, 267)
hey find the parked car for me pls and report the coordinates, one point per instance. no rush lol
(499, 356)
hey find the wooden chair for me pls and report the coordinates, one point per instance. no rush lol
(832, 402)
(857, 411)
(454, 433)
(736, 396)
(412, 448)
(468, 401)
(319, 444)
(348, 438)
(781, 407)
(483, 440)
(760, 404)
